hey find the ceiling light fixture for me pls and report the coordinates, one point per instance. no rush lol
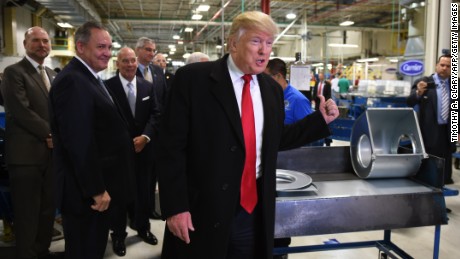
(197, 17)
(203, 8)
(64, 25)
(347, 23)
(188, 29)
(291, 16)
(367, 60)
(339, 45)
(176, 37)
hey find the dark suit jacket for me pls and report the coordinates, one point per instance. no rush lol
(91, 141)
(326, 92)
(159, 83)
(27, 116)
(201, 155)
(146, 119)
(169, 78)
(427, 116)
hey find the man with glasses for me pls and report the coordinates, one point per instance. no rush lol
(145, 52)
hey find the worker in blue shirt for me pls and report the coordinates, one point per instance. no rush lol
(296, 105)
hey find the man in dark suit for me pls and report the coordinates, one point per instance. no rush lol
(160, 60)
(145, 51)
(427, 94)
(322, 87)
(28, 148)
(209, 156)
(138, 104)
(93, 148)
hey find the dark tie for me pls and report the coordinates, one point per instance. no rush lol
(248, 190)
(320, 88)
(444, 101)
(104, 89)
(131, 98)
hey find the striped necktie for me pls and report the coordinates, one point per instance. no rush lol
(444, 101)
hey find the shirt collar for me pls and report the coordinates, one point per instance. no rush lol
(235, 73)
(89, 68)
(125, 81)
(33, 62)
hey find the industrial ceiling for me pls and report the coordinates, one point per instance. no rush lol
(128, 20)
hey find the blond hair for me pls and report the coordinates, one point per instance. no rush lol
(252, 20)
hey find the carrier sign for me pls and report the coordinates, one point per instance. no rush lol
(411, 67)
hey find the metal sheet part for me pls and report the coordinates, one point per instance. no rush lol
(291, 180)
(375, 141)
(342, 202)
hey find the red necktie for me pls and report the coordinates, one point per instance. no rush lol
(248, 191)
(320, 88)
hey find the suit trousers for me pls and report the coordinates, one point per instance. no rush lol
(246, 234)
(139, 210)
(85, 234)
(32, 194)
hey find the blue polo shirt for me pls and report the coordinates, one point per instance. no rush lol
(296, 105)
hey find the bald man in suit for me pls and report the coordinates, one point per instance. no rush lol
(28, 148)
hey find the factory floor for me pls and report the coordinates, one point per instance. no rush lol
(417, 242)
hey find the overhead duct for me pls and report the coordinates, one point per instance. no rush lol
(75, 12)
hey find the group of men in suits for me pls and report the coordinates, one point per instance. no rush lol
(100, 135)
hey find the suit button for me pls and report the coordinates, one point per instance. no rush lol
(224, 187)
(217, 225)
(233, 148)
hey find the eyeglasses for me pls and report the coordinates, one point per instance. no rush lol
(150, 50)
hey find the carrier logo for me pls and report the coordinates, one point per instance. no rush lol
(411, 67)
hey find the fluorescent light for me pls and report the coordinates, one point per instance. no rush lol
(176, 63)
(291, 16)
(176, 37)
(197, 17)
(367, 60)
(64, 25)
(116, 45)
(347, 23)
(203, 8)
(317, 64)
(394, 60)
(338, 45)
(172, 46)
(188, 29)
(171, 53)
(218, 46)
(186, 55)
(180, 42)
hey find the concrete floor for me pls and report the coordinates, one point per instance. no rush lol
(417, 242)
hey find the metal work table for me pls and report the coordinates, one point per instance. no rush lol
(341, 202)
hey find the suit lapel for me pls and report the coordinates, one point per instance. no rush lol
(32, 71)
(224, 93)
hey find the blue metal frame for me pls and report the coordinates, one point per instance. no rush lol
(385, 245)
